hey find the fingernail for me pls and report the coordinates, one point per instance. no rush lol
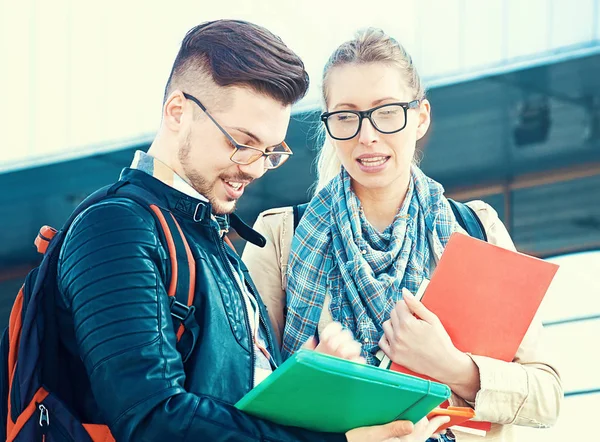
(407, 293)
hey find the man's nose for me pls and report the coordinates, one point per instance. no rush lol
(255, 169)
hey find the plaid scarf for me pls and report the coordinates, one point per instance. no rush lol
(336, 251)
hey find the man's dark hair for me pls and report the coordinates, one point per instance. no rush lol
(236, 52)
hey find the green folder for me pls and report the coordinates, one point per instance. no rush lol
(324, 393)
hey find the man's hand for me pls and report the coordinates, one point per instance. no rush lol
(398, 431)
(337, 341)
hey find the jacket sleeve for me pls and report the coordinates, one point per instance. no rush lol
(268, 265)
(110, 276)
(527, 391)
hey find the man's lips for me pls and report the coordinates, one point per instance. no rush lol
(235, 187)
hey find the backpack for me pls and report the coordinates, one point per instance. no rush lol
(31, 407)
(465, 216)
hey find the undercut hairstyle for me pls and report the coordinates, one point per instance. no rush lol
(238, 53)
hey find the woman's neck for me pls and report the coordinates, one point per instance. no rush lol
(380, 205)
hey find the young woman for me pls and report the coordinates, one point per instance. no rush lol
(375, 228)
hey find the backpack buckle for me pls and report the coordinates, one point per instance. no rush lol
(180, 311)
(191, 329)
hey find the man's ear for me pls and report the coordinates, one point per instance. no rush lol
(173, 110)
(424, 118)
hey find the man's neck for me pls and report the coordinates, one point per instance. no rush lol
(153, 163)
(164, 152)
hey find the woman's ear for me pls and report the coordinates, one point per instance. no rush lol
(424, 118)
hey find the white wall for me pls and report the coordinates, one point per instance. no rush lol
(80, 73)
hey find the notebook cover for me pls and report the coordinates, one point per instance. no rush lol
(486, 297)
(323, 393)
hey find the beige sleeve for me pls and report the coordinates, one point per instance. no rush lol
(266, 265)
(527, 391)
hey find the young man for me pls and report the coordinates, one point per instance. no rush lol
(225, 115)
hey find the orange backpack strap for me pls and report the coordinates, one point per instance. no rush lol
(182, 265)
(99, 433)
(183, 281)
(14, 335)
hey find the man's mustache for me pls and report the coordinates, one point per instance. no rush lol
(238, 178)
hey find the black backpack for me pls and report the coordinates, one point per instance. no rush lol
(31, 406)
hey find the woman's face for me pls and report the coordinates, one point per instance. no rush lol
(375, 160)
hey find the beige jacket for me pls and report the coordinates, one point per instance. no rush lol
(526, 392)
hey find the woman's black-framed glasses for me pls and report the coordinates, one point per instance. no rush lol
(274, 156)
(387, 118)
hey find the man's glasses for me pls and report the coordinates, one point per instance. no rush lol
(274, 156)
(387, 119)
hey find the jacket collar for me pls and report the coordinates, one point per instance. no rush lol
(190, 208)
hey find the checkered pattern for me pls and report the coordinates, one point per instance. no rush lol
(336, 251)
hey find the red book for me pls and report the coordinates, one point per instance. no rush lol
(486, 297)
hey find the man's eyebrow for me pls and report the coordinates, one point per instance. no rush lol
(250, 134)
(254, 137)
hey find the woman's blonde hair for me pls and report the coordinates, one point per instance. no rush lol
(370, 45)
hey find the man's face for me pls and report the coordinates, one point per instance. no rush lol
(204, 152)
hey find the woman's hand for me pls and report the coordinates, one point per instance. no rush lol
(399, 431)
(337, 341)
(415, 338)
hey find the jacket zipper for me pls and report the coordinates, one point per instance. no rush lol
(262, 322)
(246, 313)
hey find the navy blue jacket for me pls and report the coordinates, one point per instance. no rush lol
(119, 337)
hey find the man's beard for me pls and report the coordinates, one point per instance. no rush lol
(202, 185)
(204, 188)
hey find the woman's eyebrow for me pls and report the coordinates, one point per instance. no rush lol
(381, 100)
(374, 103)
(345, 104)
